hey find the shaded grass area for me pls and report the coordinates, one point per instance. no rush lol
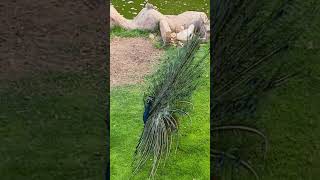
(53, 127)
(291, 118)
(192, 158)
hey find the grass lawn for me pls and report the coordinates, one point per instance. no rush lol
(123, 33)
(52, 128)
(192, 158)
(291, 119)
(120, 32)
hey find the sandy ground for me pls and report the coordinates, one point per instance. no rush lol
(131, 59)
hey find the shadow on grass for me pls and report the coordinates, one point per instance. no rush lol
(53, 127)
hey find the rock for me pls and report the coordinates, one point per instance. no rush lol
(150, 19)
(185, 19)
(165, 31)
(149, 6)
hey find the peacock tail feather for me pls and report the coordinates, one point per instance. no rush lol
(249, 38)
(166, 100)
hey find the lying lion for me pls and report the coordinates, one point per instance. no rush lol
(179, 27)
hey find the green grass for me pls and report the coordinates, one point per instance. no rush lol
(291, 119)
(192, 159)
(120, 32)
(52, 128)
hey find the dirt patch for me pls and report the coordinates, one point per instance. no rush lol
(131, 59)
(51, 36)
